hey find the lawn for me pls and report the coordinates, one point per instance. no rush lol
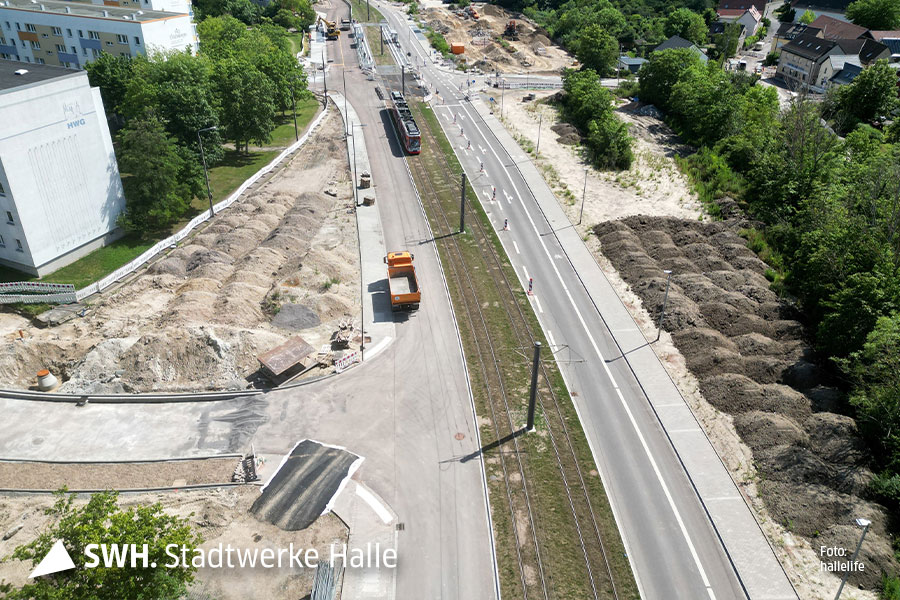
(296, 42)
(381, 52)
(283, 136)
(90, 268)
(365, 16)
(234, 169)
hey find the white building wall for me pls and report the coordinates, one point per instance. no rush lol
(62, 179)
(176, 32)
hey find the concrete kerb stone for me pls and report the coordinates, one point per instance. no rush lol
(735, 524)
(371, 234)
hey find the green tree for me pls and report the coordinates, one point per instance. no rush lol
(219, 35)
(662, 71)
(875, 369)
(687, 24)
(807, 17)
(872, 94)
(101, 520)
(245, 11)
(111, 74)
(875, 14)
(609, 143)
(585, 98)
(248, 108)
(156, 176)
(705, 104)
(597, 50)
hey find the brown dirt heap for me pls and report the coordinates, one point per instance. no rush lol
(746, 349)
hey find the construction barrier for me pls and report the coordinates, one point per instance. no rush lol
(53, 293)
(342, 364)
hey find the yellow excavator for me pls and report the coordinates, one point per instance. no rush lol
(331, 30)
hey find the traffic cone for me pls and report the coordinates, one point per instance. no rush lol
(530, 286)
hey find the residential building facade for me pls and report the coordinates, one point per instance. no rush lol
(60, 191)
(71, 34)
(802, 58)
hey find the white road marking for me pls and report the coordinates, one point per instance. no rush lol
(486, 195)
(371, 352)
(524, 270)
(508, 197)
(483, 151)
(632, 420)
(538, 302)
(516, 246)
(550, 339)
(373, 502)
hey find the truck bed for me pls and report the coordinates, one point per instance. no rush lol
(403, 283)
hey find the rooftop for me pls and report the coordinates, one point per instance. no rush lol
(34, 73)
(867, 50)
(835, 29)
(84, 9)
(836, 6)
(742, 5)
(847, 74)
(886, 35)
(809, 47)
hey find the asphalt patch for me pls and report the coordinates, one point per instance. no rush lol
(302, 488)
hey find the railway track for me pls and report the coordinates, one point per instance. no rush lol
(536, 574)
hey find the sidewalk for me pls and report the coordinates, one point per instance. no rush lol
(753, 557)
(371, 522)
(378, 319)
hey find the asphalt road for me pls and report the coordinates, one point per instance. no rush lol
(674, 550)
(407, 412)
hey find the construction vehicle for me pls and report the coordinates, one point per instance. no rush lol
(470, 10)
(330, 27)
(402, 282)
(512, 30)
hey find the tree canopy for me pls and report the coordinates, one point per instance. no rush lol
(687, 24)
(101, 520)
(875, 14)
(597, 50)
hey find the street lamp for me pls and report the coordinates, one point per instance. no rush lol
(344, 77)
(665, 300)
(205, 170)
(864, 524)
(355, 180)
(537, 149)
(583, 194)
(294, 109)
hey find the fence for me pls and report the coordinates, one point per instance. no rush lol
(72, 296)
(36, 291)
(366, 60)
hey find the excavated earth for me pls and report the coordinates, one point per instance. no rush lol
(198, 317)
(747, 350)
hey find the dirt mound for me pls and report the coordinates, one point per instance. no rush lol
(296, 317)
(876, 554)
(810, 509)
(763, 430)
(567, 133)
(747, 348)
(735, 394)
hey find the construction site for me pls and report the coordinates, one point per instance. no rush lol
(277, 271)
(492, 39)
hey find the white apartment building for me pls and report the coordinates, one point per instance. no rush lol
(60, 191)
(70, 34)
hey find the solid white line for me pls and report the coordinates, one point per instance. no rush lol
(632, 420)
(516, 246)
(372, 501)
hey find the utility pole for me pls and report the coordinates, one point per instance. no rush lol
(403, 79)
(502, 94)
(355, 181)
(665, 300)
(532, 395)
(583, 194)
(212, 212)
(294, 108)
(368, 12)
(346, 116)
(324, 79)
(462, 205)
(382, 40)
(864, 523)
(537, 149)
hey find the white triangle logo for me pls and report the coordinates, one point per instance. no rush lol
(57, 560)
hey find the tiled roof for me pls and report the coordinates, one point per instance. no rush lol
(835, 29)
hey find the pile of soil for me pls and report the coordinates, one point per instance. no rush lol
(197, 317)
(747, 350)
(567, 134)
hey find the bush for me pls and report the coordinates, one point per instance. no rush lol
(609, 143)
(438, 42)
(890, 588)
(771, 59)
(711, 177)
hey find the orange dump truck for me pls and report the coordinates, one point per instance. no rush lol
(402, 282)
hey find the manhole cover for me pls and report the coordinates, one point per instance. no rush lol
(460, 436)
